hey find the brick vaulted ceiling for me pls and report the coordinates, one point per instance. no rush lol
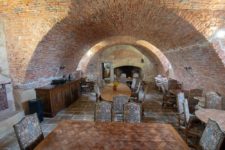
(41, 35)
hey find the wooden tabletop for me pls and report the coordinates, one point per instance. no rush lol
(70, 135)
(214, 114)
(108, 93)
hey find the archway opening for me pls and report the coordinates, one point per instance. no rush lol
(147, 50)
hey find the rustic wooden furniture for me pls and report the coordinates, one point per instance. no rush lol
(103, 111)
(214, 114)
(213, 100)
(180, 109)
(108, 93)
(57, 97)
(190, 127)
(87, 86)
(212, 137)
(118, 107)
(191, 100)
(69, 135)
(201, 102)
(169, 96)
(28, 132)
(132, 112)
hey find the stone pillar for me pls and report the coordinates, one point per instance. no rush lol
(4, 71)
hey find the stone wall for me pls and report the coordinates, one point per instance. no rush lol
(44, 35)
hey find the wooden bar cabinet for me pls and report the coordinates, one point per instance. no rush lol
(57, 97)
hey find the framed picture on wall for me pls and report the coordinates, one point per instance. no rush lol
(106, 71)
(106, 68)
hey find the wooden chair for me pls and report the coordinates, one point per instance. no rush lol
(103, 111)
(141, 95)
(118, 102)
(28, 132)
(192, 127)
(123, 78)
(174, 84)
(213, 100)
(212, 137)
(136, 83)
(161, 81)
(169, 100)
(133, 84)
(193, 102)
(132, 112)
(97, 92)
(180, 109)
(134, 92)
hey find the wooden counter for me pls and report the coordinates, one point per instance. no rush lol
(57, 97)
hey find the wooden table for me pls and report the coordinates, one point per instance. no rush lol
(108, 93)
(70, 135)
(214, 114)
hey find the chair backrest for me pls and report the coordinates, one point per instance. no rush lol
(165, 83)
(138, 87)
(186, 111)
(133, 84)
(123, 79)
(28, 132)
(102, 83)
(212, 137)
(141, 95)
(103, 111)
(163, 88)
(213, 100)
(180, 101)
(118, 102)
(132, 112)
(97, 90)
(195, 92)
(186, 93)
(173, 84)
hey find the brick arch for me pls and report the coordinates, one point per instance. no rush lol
(154, 52)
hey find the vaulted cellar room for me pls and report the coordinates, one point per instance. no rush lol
(112, 74)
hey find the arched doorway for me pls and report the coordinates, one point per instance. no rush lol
(163, 64)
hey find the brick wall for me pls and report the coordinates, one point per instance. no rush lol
(43, 35)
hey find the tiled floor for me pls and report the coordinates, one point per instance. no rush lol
(83, 109)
